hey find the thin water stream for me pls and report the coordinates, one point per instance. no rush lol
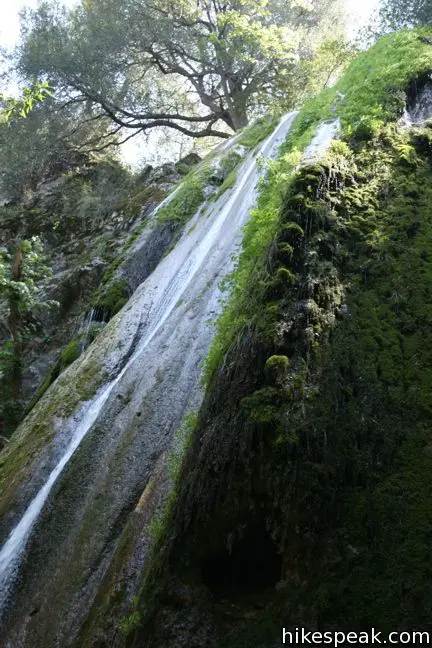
(186, 264)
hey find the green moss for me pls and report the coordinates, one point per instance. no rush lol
(70, 353)
(111, 298)
(184, 438)
(131, 206)
(134, 236)
(370, 94)
(190, 195)
(185, 203)
(258, 131)
(229, 162)
(77, 383)
(111, 270)
(276, 368)
(129, 623)
(285, 277)
(263, 405)
(182, 169)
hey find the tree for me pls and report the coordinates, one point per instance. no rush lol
(395, 14)
(330, 59)
(47, 143)
(197, 66)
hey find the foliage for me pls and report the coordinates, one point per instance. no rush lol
(329, 62)
(44, 146)
(87, 195)
(11, 108)
(187, 65)
(22, 266)
(200, 183)
(132, 204)
(25, 289)
(129, 623)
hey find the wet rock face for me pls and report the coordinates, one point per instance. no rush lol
(79, 252)
(145, 370)
(147, 254)
(419, 105)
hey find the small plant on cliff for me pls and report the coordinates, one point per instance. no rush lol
(130, 622)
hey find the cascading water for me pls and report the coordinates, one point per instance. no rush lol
(190, 273)
(327, 131)
(419, 108)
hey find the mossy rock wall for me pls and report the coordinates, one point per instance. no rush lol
(316, 430)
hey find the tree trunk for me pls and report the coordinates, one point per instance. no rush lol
(235, 119)
(239, 119)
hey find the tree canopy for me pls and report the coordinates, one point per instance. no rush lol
(395, 14)
(202, 67)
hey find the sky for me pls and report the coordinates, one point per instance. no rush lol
(9, 20)
(358, 12)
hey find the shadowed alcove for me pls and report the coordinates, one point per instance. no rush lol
(253, 564)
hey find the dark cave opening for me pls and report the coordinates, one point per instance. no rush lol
(253, 564)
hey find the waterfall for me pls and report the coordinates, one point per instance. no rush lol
(419, 109)
(212, 238)
(327, 131)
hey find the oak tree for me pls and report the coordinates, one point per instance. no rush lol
(202, 67)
